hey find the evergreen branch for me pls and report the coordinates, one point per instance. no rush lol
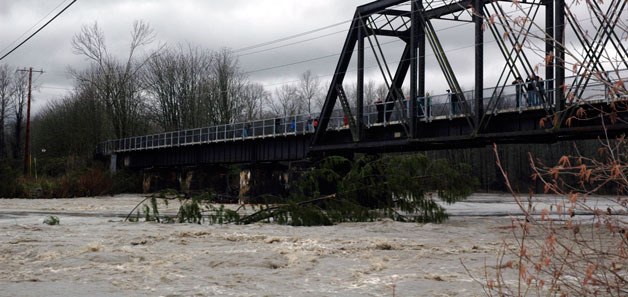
(270, 211)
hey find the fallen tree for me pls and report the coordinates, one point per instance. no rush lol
(400, 187)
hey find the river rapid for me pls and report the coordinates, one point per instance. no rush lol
(93, 252)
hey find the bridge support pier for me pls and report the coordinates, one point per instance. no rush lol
(217, 179)
(262, 179)
(113, 163)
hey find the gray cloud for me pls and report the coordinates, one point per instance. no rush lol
(216, 24)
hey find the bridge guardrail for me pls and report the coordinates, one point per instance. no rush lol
(512, 98)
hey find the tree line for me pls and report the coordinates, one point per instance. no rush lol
(152, 88)
(148, 90)
(155, 88)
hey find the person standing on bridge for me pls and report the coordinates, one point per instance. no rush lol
(540, 84)
(245, 130)
(293, 125)
(531, 88)
(277, 126)
(453, 98)
(309, 125)
(518, 82)
(379, 106)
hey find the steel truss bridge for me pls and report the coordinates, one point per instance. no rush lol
(586, 105)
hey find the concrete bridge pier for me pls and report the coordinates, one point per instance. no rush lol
(216, 179)
(157, 179)
(259, 180)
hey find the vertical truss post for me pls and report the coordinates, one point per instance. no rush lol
(360, 86)
(421, 57)
(478, 18)
(559, 46)
(413, 69)
(549, 44)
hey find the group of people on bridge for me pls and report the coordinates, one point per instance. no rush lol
(534, 87)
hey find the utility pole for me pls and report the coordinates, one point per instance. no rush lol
(28, 121)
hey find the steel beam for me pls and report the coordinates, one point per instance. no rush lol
(421, 58)
(360, 86)
(341, 69)
(549, 44)
(478, 17)
(559, 42)
(414, 69)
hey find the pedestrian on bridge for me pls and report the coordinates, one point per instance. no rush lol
(293, 125)
(245, 130)
(277, 126)
(540, 84)
(518, 83)
(455, 105)
(531, 85)
(379, 105)
(310, 125)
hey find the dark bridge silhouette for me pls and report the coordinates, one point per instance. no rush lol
(524, 112)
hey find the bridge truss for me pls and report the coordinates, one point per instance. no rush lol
(492, 112)
(413, 23)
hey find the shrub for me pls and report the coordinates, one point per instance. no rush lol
(52, 220)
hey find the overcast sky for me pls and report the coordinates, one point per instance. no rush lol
(213, 24)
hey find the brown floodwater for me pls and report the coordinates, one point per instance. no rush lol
(93, 252)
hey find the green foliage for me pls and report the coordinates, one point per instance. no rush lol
(196, 210)
(190, 212)
(394, 186)
(126, 181)
(52, 220)
(9, 185)
(336, 190)
(76, 181)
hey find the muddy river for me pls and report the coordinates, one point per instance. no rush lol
(93, 252)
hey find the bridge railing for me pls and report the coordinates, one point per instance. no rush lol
(443, 106)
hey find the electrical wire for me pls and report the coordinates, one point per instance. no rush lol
(38, 30)
(289, 37)
(34, 25)
(263, 44)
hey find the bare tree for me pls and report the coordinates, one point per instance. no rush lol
(115, 82)
(226, 86)
(370, 92)
(174, 81)
(286, 101)
(18, 103)
(554, 251)
(309, 90)
(381, 91)
(253, 97)
(6, 93)
(76, 119)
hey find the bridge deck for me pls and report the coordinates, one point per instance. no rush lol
(432, 109)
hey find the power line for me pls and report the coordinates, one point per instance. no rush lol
(338, 54)
(333, 55)
(38, 30)
(289, 37)
(34, 25)
(263, 44)
(294, 43)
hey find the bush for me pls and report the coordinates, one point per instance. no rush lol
(9, 185)
(555, 252)
(52, 220)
